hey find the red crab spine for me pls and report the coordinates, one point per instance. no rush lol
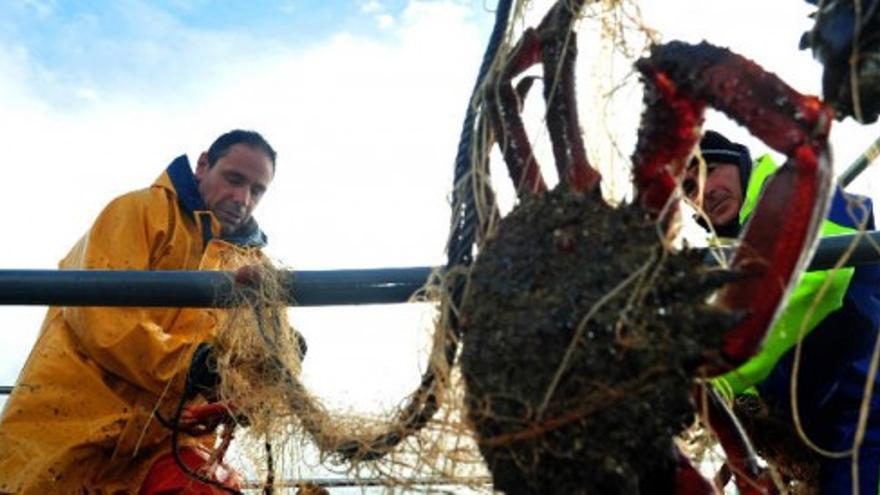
(776, 245)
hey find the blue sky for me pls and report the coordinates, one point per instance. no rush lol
(73, 51)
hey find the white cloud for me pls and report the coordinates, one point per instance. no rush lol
(384, 21)
(372, 7)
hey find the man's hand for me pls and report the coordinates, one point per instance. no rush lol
(249, 276)
(205, 417)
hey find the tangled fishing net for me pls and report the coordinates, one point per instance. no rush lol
(259, 357)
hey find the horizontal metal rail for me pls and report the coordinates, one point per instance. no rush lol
(832, 248)
(853, 249)
(201, 289)
(371, 482)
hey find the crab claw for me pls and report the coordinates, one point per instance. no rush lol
(780, 237)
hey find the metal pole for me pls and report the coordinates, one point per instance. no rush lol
(304, 288)
(861, 163)
(437, 483)
(832, 248)
(200, 289)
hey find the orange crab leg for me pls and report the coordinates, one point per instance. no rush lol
(552, 45)
(559, 51)
(503, 106)
(782, 232)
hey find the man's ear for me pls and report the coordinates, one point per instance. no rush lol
(202, 165)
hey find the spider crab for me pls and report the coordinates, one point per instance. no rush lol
(583, 332)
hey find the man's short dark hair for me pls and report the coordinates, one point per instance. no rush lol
(220, 147)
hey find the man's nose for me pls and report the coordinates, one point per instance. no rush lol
(242, 197)
(709, 190)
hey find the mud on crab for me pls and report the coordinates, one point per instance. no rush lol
(583, 332)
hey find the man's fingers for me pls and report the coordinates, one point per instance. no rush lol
(248, 275)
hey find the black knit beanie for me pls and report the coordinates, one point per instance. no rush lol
(717, 148)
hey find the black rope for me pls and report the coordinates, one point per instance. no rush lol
(269, 486)
(461, 241)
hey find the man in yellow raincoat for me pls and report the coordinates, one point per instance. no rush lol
(81, 417)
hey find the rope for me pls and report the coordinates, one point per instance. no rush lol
(461, 240)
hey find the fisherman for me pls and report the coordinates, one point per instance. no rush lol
(82, 417)
(836, 314)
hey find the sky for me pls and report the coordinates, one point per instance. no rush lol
(362, 99)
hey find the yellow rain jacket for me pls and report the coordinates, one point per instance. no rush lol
(80, 417)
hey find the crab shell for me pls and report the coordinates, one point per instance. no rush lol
(581, 337)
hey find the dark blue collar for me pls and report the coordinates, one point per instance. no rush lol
(185, 186)
(184, 182)
(249, 235)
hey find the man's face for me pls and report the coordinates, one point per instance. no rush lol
(722, 192)
(233, 187)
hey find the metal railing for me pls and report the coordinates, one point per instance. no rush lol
(303, 288)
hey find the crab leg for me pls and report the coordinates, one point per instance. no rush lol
(780, 237)
(669, 131)
(553, 44)
(559, 51)
(751, 478)
(503, 105)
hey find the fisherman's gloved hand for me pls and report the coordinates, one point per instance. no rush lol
(203, 378)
